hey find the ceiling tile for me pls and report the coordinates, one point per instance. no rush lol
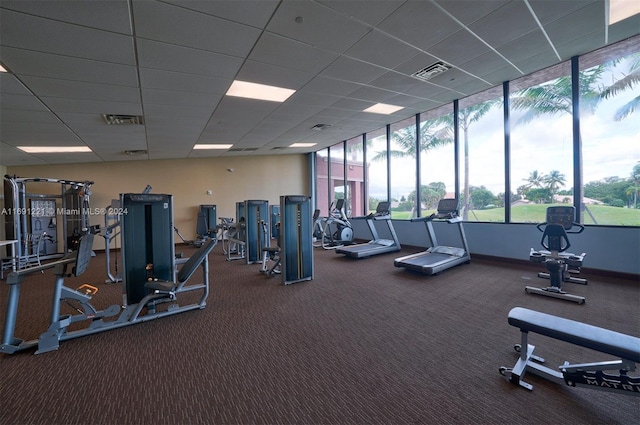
(381, 49)
(168, 57)
(65, 39)
(250, 12)
(287, 53)
(319, 25)
(183, 27)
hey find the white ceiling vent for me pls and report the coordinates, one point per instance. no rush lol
(431, 71)
(123, 119)
(320, 127)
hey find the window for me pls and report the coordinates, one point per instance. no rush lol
(481, 134)
(355, 197)
(437, 157)
(322, 182)
(402, 157)
(610, 134)
(376, 171)
(541, 143)
(336, 173)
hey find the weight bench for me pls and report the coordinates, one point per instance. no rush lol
(591, 375)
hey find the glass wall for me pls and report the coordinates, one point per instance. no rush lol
(376, 168)
(337, 187)
(356, 194)
(610, 136)
(437, 156)
(543, 150)
(402, 157)
(541, 143)
(481, 133)
(322, 182)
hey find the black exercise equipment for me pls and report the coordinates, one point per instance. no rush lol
(256, 212)
(625, 348)
(157, 293)
(296, 244)
(438, 258)
(335, 230)
(376, 245)
(147, 242)
(560, 264)
(28, 215)
(271, 258)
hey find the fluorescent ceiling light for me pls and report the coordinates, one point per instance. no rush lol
(2, 68)
(212, 146)
(53, 149)
(383, 108)
(259, 91)
(302, 145)
(620, 10)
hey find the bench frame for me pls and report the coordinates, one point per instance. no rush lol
(590, 375)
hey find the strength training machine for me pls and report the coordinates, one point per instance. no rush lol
(296, 243)
(376, 245)
(32, 218)
(560, 264)
(438, 258)
(625, 348)
(79, 300)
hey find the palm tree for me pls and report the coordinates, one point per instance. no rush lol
(432, 135)
(535, 179)
(627, 82)
(554, 180)
(555, 97)
(468, 116)
(635, 186)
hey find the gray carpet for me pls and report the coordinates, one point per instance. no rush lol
(363, 343)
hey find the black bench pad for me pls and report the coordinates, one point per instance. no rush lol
(589, 336)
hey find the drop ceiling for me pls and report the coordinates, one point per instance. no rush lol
(172, 61)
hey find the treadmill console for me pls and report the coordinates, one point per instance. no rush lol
(447, 208)
(383, 208)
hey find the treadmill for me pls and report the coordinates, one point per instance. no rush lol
(376, 245)
(438, 258)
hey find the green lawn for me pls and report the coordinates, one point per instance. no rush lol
(535, 213)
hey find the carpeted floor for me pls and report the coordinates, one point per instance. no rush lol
(362, 343)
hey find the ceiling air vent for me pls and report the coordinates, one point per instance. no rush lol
(243, 149)
(431, 71)
(134, 152)
(123, 119)
(320, 127)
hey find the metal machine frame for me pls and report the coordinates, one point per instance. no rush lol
(590, 375)
(157, 294)
(438, 258)
(376, 245)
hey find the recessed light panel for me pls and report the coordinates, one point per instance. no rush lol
(211, 146)
(302, 145)
(259, 91)
(53, 149)
(383, 108)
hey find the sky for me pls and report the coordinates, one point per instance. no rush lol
(610, 148)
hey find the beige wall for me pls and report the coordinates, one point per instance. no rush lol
(254, 177)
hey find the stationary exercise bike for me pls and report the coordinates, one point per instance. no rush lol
(333, 231)
(560, 264)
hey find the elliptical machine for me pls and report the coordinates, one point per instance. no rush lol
(560, 264)
(333, 231)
